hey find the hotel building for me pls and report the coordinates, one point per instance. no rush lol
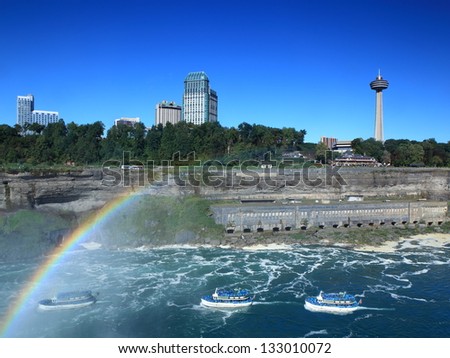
(27, 114)
(44, 117)
(167, 112)
(199, 100)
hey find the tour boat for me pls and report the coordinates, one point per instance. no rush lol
(65, 300)
(341, 302)
(223, 298)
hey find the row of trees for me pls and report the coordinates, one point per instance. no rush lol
(403, 152)
(59, 143)
(396, 152)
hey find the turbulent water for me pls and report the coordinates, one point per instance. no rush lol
(156, 293)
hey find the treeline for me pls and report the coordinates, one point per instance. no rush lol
(87, 144)
(404, 152)
(59, 143)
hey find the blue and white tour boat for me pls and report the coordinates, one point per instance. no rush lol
(223, 298)
(341, 302)
(66, 300)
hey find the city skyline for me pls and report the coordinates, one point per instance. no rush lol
(281, 63)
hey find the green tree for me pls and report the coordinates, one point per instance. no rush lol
(168, 142)
(138, 143)
(321, 152)
(183, 138)
(407, 154)
(153, 143)
(84, 142)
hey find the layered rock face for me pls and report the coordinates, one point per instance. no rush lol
(91, 189)
(77, 192)
(332, 183)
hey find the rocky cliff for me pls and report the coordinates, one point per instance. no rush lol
(333, 183)
(89, 190)
(72, 192)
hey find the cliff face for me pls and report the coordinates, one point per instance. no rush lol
(334, 183)
(91, 189)
(77, 193)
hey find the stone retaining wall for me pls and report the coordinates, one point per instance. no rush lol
(276, 217)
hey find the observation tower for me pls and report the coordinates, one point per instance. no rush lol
(379, 84)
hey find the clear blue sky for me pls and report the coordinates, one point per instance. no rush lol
(283, 63)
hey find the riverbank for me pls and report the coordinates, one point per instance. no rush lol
(161, 221)
(360, 239)
(425, 240)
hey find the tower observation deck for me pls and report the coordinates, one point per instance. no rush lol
(378, 85)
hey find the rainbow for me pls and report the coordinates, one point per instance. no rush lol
(81, 233)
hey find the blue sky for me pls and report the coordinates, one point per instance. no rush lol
(282, 63)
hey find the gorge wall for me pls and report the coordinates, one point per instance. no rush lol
(334, 184)
(89, 190)
(73, 192)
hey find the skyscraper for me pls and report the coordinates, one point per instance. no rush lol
(25, 108)
(199, 100)
(379, 84)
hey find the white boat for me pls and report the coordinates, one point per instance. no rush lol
(91, 245)
(66, 300)
(341, 303)
(223, 298)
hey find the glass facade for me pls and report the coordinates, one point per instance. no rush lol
(199, 100)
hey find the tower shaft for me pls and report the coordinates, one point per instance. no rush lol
(379, 116)
(378, 85)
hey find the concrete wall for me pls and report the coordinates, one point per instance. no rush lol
(275, 217)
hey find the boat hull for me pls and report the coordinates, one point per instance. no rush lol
(225, 304)
(330, 308)
(68, 300)
(50, 307)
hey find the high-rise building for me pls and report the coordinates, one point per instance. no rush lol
(199, 100)
(25, 107)
(167, 112)
(27, 114)
(379, 84)
(127, 121)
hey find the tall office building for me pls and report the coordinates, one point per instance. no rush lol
(25, 107)
(27, 114)
(379, 84)
(167, 112)
(199, 100)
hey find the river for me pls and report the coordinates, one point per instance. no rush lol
(156, 293)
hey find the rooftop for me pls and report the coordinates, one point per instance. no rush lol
(197, 76)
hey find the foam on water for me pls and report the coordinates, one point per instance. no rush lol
(156, 293)
(316, 333)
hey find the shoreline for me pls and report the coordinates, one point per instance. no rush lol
(20, 238)
(432, 239)
(359, 239)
